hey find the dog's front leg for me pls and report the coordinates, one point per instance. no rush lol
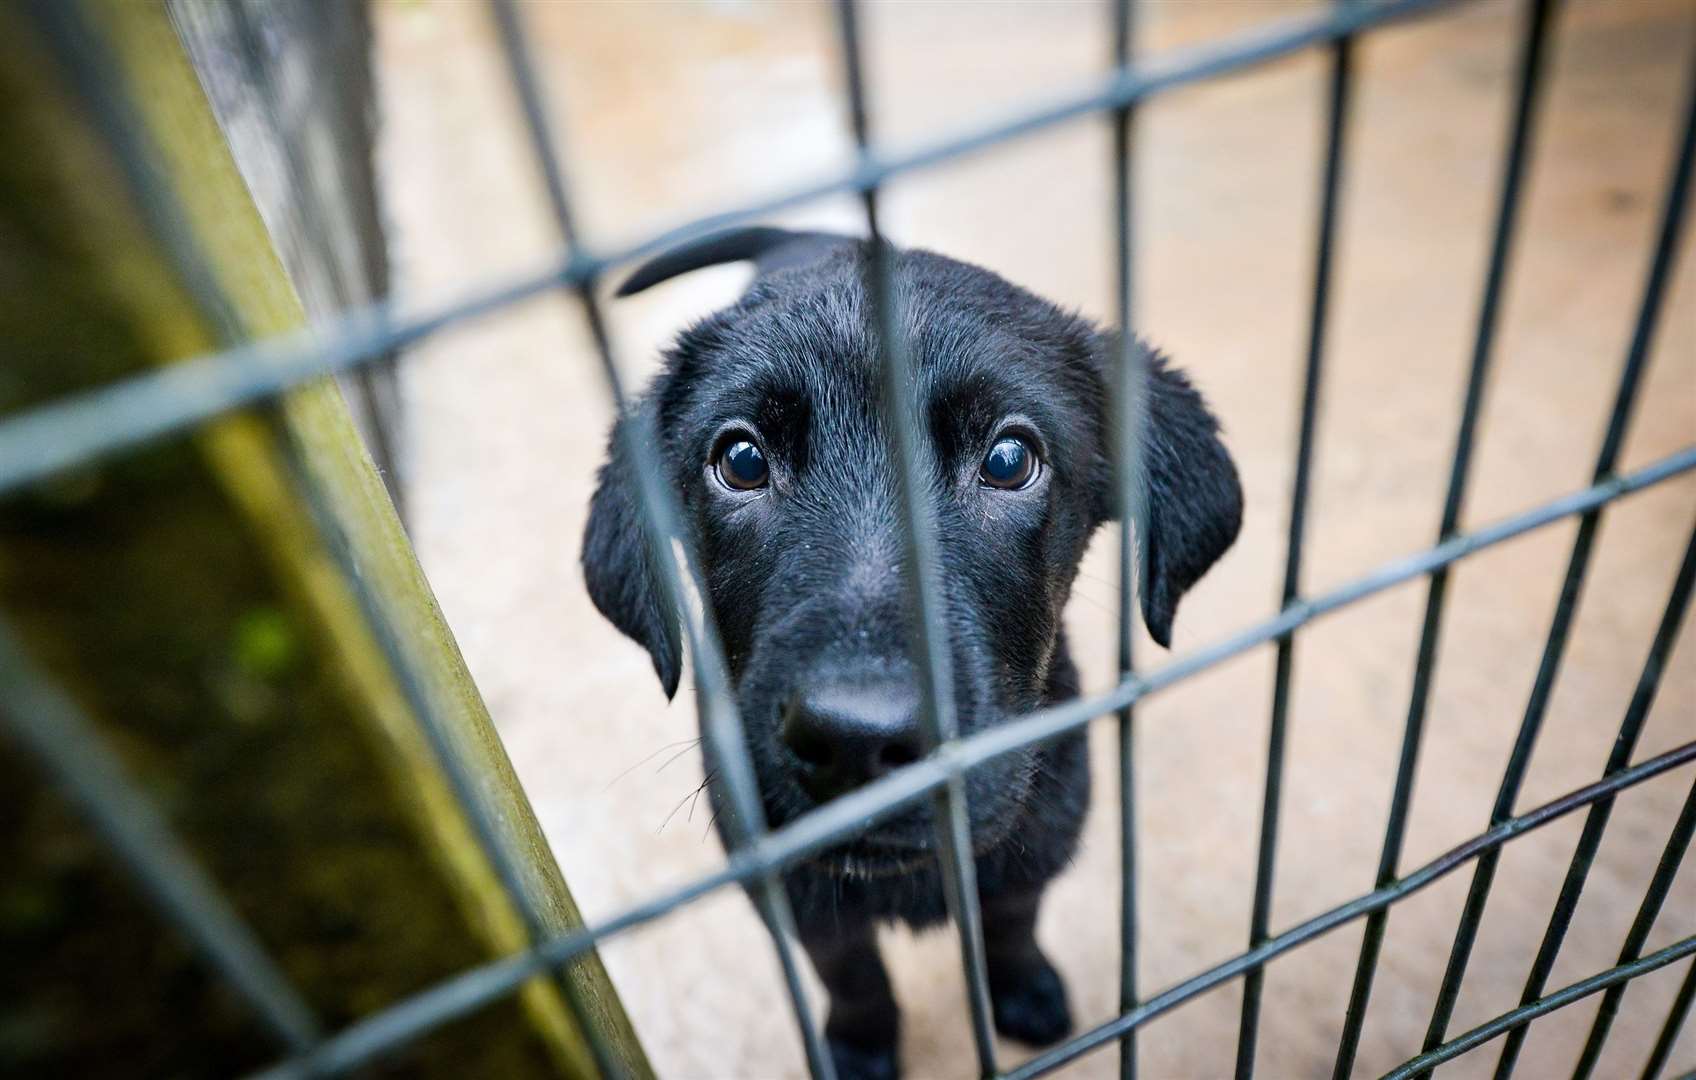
(864, 1026)
(1026, 993)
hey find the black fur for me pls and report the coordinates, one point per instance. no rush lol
(804, 576)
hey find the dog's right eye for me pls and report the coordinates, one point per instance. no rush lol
(741, 465)
(1010, 464)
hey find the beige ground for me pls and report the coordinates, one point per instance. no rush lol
(674, 109)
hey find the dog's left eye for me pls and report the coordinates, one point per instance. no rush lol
(1010, 463)
(742, 465)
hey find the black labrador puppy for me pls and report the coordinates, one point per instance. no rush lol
(768, 421)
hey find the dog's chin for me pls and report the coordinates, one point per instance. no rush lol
(902, 851)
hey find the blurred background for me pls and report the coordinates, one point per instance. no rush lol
(671, 109)
(237, 612)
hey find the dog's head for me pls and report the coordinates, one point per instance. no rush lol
(769, 422)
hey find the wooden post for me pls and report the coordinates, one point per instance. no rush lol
(195, 599)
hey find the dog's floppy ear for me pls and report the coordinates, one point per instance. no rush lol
(1192, 501)
(619, 568)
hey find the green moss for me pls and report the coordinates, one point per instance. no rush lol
(266, 644)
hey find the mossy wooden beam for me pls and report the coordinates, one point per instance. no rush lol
(209, 603)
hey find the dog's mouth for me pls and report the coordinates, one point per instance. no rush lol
(856, 867)
(908, 842)
(907, 846)
(874, 857)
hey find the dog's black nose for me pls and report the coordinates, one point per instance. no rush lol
(846, 734)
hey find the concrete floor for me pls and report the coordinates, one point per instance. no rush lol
(674, 109)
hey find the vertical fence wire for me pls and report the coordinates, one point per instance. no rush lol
(1132, 371)
(1560, 999)
(959, 872)
(1631, 377)
(1678, 842)
(1666, 634)
(312, 217)
(466, 789)
(1676, 1015)
(66, 744)
(1416, 880)
(1596, 822)
(464, 785)
(1529, 94)
(1341, 73)
(82, 49)
(167, 219)
(725, 738)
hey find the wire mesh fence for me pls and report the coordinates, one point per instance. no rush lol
(48, 439)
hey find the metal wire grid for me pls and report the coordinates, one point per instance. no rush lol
(105, 421)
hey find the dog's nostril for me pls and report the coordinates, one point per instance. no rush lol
(810, 746)
(896, 754)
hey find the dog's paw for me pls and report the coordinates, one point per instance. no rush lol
(1033, 1009)
(856, 1062)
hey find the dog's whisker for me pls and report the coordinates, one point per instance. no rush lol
(693, 799)
(650, 757)
(672, 814)
(686, 798)
(1079, 594)
(677, 755)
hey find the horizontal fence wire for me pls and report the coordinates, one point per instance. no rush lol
(925, 602)
(855, 811)
(1260, 911)
(1655, 288)
(397, 1025)
(66, 744)
(1653, 897)
(1321, 924)
(720, 719)
(85, 427)
(1532, 48)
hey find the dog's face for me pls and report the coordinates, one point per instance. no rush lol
(769, 418)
